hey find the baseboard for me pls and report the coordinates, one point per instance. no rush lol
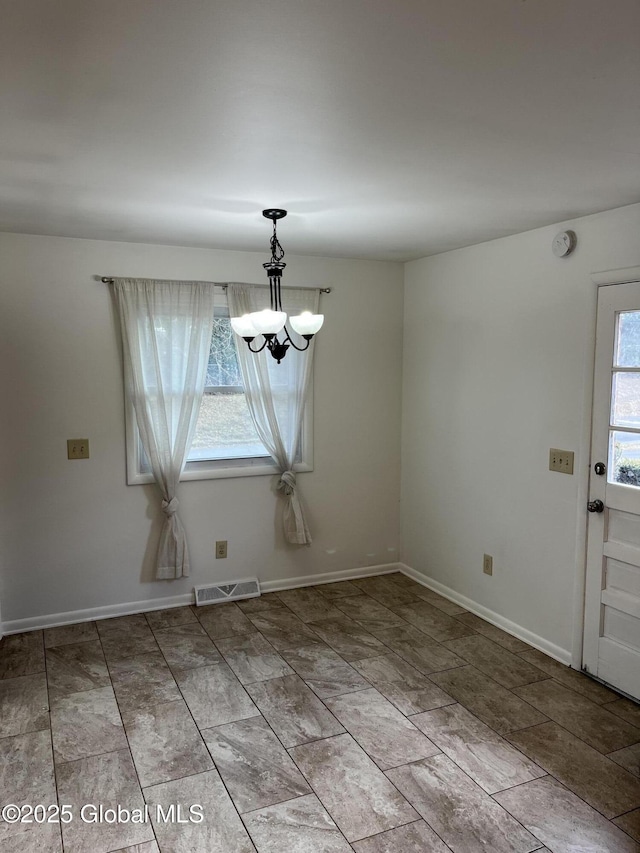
(18, 626)
(556, 652)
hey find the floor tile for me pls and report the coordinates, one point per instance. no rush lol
(24, 706)
(253, 658)
(372, 615)
(384, 590)
(142, 681)
(170, 618)
(145, 847)
(324, 671)
(254, 765)
(432, 621)
(266, 601)
(409, 690)
(339, 589)
(419, 650)
(462, 814)
(502, 638)
(76, 667)
(284, 630)
(87, 723)
(630, 823)
(294, 712)
(347, 638)
(63, 635)
(570, 678)
(26, 770)
(109, 780)
(220, 831)
(625, 708)
(599, 728)
(298, 826)
(30, 838)
(413, 838)
(308, 604)
(629, 758)
(582, 769)
(385, 734)
(483, 755)
(434, 598)
(21, 654)
(504, 667)
(126, 637)
(357, 795)
(493, 704)
(215, 696)
(187, 646)
(165, 743)
(563, 821)
(224, 620)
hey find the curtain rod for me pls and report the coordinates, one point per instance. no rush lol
(105, 279)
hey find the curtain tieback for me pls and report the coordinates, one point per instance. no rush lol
(170, 508)
(287, 482)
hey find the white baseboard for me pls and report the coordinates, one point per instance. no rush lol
(556, 652)
(18, 626)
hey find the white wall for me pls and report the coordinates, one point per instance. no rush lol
(498, 349)
(75, 536)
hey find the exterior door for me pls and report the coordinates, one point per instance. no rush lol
(612, 595)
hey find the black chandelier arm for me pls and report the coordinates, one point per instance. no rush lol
(249, 340)
(289, 340)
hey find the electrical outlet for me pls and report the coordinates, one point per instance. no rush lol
(78, 448)
(561, 460)
(487, 564)
(221, 549)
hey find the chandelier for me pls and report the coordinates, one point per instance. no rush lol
(271, 323)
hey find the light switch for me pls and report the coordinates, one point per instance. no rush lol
(561, 460)
(78, 448)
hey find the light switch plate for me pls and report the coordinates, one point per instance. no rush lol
(78, 448)
(561, 460)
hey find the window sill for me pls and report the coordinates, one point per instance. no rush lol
(223, 472)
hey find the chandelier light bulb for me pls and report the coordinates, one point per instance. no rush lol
(307, 323)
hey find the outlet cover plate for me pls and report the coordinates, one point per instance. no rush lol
(561, 460)
(487, 564)
(221, 549)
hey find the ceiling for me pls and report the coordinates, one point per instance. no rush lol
(390, 129)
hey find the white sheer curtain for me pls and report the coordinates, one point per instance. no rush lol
(166, 334)
(276, 395)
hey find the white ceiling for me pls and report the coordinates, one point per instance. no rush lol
(390, 130)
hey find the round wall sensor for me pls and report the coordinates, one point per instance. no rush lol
(564, 243)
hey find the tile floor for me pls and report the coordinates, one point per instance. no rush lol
(371, 716)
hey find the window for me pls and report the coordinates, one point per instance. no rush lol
(225, 443)
(624, 425)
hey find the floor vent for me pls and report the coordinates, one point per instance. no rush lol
(216, 594)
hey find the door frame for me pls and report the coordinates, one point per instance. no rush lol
(623, 275)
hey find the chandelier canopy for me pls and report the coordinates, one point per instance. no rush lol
(271, 322)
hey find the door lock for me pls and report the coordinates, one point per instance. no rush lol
(595, 506)
(599, 468)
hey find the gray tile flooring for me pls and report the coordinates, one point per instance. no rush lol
(370, 715)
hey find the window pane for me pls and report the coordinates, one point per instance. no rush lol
(624, 458)
(628, 339)
(625, 400)
(224, 429)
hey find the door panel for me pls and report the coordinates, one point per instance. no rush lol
(612, 598)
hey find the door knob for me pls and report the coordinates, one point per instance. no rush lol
(599, 468)
(595, 506)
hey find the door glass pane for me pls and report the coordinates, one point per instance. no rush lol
(627, 353)
(625, 400)
(624, 458)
